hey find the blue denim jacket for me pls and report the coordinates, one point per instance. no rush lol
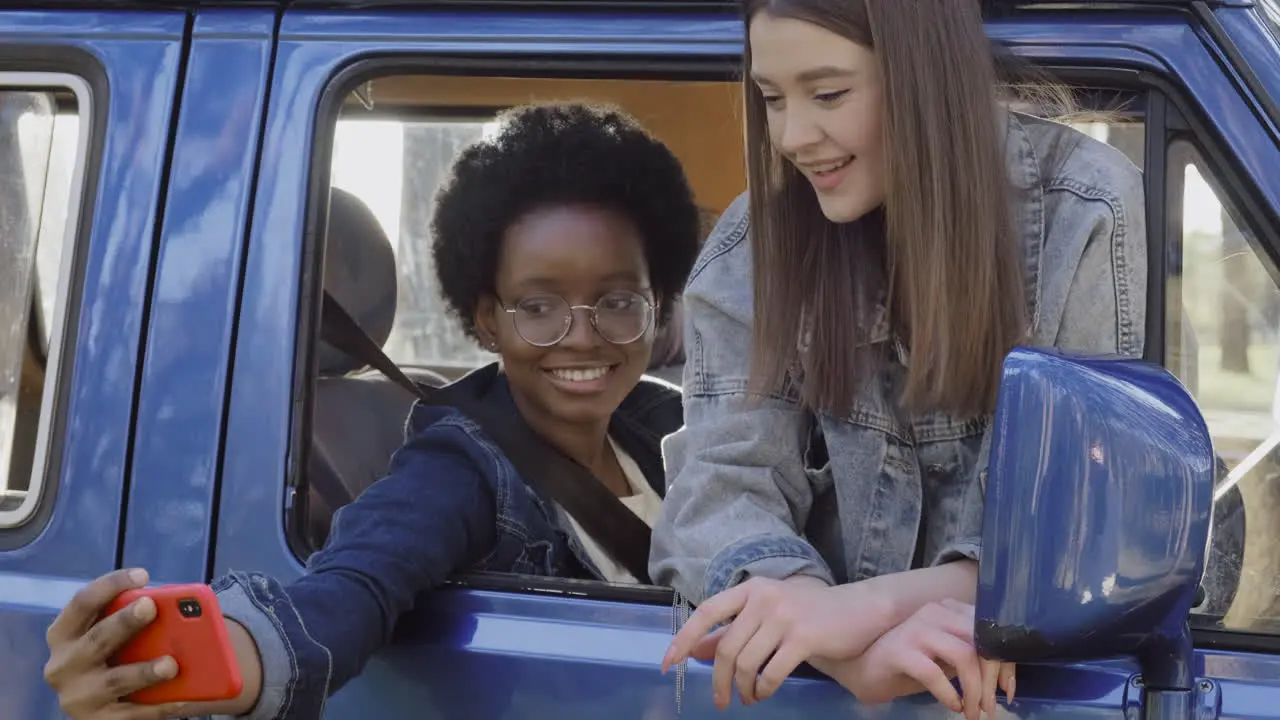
(451, 502)
(771, 490)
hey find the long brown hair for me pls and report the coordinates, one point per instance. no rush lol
(942, 254)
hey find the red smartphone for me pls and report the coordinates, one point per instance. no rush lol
(188, 627)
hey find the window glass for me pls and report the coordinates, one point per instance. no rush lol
(1128, 135)
(1228, 334)
(41, 149)
(384, 162)
(394, 144)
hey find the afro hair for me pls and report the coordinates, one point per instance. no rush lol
(553, 156)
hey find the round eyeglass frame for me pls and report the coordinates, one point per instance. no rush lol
(570, 317)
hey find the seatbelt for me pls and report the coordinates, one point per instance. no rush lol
(623, 535)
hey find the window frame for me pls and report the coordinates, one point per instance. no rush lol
(1168, 115)
(60, 345)
(329, 110)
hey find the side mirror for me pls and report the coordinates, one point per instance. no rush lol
(1098, 502)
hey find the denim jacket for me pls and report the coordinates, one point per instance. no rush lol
(450, 502)
(772, 490)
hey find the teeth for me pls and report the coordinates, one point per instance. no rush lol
(831, 167)
(580, 375)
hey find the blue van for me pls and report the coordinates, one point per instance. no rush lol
(166, 238)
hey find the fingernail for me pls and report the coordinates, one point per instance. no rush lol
(166, 667)
(1013, 683)
(144, 609)
(138, 576)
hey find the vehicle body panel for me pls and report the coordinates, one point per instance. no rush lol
(139, 56)
(213, 446)
(193, 305)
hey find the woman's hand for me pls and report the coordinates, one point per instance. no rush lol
(922, 654)
(773, 627)
(80, 644)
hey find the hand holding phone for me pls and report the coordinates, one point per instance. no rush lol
(188, 627)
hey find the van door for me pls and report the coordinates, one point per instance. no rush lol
(376, 103)
(86, 99)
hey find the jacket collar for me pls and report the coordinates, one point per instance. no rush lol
(1028, 207)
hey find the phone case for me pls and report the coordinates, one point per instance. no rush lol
(188, 627)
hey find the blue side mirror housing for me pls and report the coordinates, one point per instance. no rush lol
(1099, 496)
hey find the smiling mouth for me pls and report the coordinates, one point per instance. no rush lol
(829, 168)
(580, 375)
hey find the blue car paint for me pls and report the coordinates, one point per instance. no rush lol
(220, 351)
(140, 56)
(1259, 41)
(193, 303)
(1123, 441)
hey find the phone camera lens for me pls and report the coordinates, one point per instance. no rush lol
(189, 608)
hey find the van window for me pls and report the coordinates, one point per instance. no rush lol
(1230, 292)
(43, 143)
(394, 141)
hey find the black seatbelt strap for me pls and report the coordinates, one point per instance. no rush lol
(623, 535)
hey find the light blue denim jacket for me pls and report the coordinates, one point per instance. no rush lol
(750, 493)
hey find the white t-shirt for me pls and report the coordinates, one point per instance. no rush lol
(644, 502)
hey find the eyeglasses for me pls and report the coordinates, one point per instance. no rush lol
(620, 317)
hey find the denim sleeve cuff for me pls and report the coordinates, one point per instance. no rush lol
(772, 556)
(966, 549)
(259, 604)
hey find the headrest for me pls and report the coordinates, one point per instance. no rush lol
(360, 273)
